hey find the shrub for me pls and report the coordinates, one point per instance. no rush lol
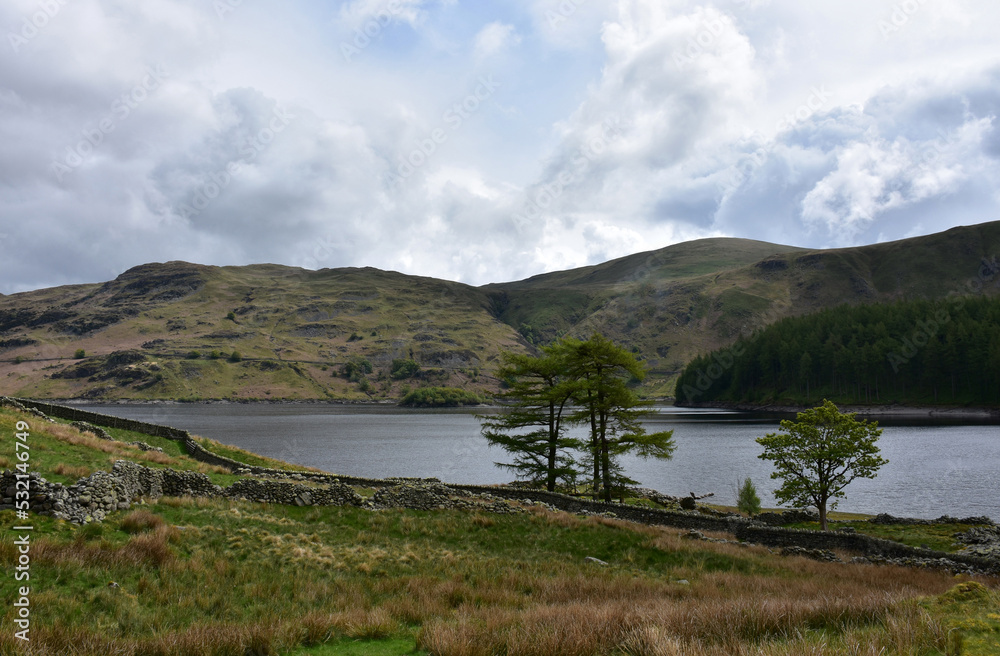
(215, 355)
(231, 316)
(441, 397)
(356, 368)
(235, 356)
(354, 337)
(80, 354)
(747, 501)
(402, 369)
(193, 355)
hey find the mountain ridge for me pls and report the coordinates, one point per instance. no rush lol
(297, 330)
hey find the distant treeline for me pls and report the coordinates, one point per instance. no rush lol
(910, 352)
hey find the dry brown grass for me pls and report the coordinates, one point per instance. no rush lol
(120, 450)
(140, 521)
(263, 638)
(148, 549)
(781, 613)
(71, 471)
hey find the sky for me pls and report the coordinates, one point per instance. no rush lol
(482, 141)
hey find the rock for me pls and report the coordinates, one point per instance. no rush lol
(591, 559)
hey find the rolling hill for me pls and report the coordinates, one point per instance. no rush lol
(169, 331)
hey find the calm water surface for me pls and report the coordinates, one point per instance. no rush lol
(933, 469)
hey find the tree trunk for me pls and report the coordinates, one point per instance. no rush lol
(605, 460)
(550, 479)
(822, 515)
(594, 451)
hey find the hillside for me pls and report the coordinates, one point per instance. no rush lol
(167, 331)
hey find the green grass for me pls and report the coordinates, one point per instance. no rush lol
(54, 454)
(247, 457)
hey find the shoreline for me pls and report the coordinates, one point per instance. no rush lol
(888, 411)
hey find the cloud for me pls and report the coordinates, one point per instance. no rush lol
(615, 126)
(494, 38)
(356, 15)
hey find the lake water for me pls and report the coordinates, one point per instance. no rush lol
(933, 469)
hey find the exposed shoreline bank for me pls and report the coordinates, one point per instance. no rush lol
(874, 411)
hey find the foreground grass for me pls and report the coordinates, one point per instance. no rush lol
(222, 577)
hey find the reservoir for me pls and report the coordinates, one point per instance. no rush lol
(934, 468)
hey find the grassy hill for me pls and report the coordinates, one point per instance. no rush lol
(224, 577)
(151, 332)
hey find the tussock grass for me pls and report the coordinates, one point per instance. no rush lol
(71, 471)
(139, 521)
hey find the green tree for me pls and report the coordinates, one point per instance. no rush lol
(538, 393)
(603, 370)
(402, 369)
(235, 356)
(80, 354)
(817, 456)
(747, 501)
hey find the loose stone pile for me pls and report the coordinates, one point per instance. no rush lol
(85, 427)
(981, 541)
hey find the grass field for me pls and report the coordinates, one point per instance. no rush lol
(222, 577)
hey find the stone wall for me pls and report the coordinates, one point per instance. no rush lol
(641, 514)
(858, 543)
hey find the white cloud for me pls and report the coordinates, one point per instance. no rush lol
(494, 38)
(618, 125)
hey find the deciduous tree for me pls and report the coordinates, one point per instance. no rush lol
(817, 456)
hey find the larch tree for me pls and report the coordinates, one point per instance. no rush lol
(533, 426)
